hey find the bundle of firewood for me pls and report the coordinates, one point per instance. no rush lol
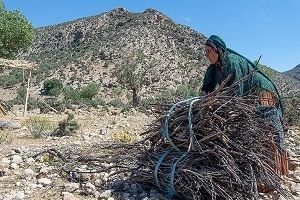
(212, 147)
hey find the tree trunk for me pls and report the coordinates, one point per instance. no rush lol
(135, 99)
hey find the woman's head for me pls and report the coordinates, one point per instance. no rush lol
(214, 49)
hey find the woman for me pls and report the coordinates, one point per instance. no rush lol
(225, 62)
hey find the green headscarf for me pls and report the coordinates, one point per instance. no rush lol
(216, 41)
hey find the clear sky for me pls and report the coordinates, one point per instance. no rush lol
(270, 28)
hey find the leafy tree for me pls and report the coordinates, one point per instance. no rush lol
(131, 73)
(16, 33)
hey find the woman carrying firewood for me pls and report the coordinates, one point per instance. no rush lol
(226, 63)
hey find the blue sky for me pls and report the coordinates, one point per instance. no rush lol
(270, 28)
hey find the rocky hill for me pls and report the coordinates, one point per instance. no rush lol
(90, 49)
(287, 85)
(294, 73)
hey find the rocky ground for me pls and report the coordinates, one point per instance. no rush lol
(29, 169)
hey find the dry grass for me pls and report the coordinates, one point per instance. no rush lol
(5, 137)
(124, 136)
(40, 126)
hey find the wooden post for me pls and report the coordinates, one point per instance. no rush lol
(23, 70)
(27, 94)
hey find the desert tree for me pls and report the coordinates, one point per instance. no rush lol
(131, 73)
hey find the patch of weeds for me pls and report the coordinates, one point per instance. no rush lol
(5, 137)
(124, 136)
(39, 126)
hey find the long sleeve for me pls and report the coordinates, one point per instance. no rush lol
(209, 84)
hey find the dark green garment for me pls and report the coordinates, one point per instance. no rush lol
(239, 67)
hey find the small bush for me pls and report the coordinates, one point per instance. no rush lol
(39, 126)
(21, 94)
(117, 92)
(72, 96)
(124, 136)
(118, 103)
(13, 78)
(66, 127)
(90, 91)
(185, 91)
(52, 87)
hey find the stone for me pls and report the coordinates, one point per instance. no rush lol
(30, 160)
(71, 187)
(143, 195)
(46, 170)
(125, 195)
(98, 182)
(9, 124)
(106, 194)
(296, 188)
(44, 181)
(68, 196)
(16, 159)
(15, 195)
(5, 162)
(28, 173)
(14, 166)
(89, 188)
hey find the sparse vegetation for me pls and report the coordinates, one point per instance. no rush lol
(118, 103)
(14, 77)
(39, 126)
(292, 110)
(124, 136)
(66, 127)
(5, 136)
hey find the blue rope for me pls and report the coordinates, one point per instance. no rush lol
(165, 129)
(165, 133)
(171, 188)
(158, 165)
(191, 136)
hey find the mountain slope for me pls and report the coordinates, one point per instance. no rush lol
(294, 73)
(89, 50)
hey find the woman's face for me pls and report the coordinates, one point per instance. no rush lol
(211, 54)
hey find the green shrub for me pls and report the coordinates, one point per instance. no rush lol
(21, 94)
(54, 103)
(32, 103)
(118, 103)
(90, 91)
(292, 110)
(13, 78)
(92, 102)
(185, 91)
(117, 92)
(52, 87)
(72, 96)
